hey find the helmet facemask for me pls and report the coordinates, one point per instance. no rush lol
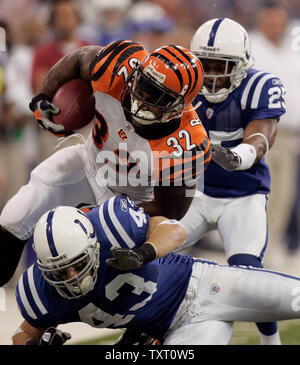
(86, 265)
(234, 68)
(147, 93)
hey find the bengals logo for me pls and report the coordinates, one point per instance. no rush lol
(122, 134)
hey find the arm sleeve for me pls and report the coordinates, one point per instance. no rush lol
(266, 99)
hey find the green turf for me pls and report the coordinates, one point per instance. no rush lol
(243, 334)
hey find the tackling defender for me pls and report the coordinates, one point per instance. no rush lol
(96, 268)
(143, 120)
(240, 108)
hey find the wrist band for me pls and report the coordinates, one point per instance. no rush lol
(266, 140)
(247, 153)
(147, 252)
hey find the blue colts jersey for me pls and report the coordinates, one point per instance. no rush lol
(146, 299)
(259, 96)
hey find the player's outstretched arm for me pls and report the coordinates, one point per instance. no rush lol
(25, 333)
(163, 237)
(259, 137)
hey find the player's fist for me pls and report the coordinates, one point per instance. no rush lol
(124, 259)
(226, 158)
(43, 110)
(51, 337)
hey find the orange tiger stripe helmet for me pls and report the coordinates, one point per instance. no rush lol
(168, 79)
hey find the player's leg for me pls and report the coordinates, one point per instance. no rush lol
(247, 242)
(200, 333)
(59, 180)
(232, 293)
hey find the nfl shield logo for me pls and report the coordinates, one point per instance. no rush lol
(214, 289)
(209, 112)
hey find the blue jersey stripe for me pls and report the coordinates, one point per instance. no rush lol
(252, 90)
(29, 295)
(262, 254)
(213, 32)
(111, 226)
(50, 234)
(20, 303)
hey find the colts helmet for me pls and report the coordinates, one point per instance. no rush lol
(65, 237)
(224, 40)
(171, 76)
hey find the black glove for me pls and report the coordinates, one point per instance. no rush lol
(43, 108)
(133, 337)
(51, 337)
(125, 259)
(224, 157)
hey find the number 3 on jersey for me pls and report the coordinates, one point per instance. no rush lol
(175, 143)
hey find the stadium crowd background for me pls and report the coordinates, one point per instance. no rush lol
(39, 32)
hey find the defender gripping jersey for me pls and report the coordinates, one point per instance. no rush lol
(125, 161)
(259, 96)
(145, 299)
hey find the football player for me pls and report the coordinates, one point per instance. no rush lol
(240, 108)
(107, 268)
(147, 141)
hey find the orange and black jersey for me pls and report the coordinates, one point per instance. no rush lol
(176, 156)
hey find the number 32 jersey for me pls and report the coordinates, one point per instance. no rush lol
(125, 161)
(146, 299)
(259, 96)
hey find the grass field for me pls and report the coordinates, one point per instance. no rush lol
(244, 334)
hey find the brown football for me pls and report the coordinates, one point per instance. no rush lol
(76, 102)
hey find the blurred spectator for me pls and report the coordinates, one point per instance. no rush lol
(110, 20)
(4, 112)
(275, 55)
(63, 22)
(150, 25)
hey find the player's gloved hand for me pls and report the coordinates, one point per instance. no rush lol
(125, 259)
(51, 337)
(43, 109)
(226, 158)
(133, 337)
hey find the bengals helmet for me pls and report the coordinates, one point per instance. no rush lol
(167, 80)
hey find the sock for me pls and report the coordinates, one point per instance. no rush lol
(270, 340)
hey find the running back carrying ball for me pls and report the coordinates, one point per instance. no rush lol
(76, 103)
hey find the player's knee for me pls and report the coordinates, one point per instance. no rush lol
(245, 260)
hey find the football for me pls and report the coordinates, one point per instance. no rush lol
(76, 102)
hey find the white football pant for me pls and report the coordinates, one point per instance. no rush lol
(219, 295)
(241, 223)
(62, 179)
